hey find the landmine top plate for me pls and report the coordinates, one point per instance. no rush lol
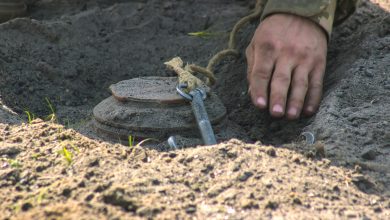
(147, 89)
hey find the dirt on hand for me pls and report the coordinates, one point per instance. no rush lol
(62, 59)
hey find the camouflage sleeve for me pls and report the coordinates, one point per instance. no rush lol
(323, 12)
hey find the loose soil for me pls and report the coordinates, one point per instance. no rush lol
(70, 51)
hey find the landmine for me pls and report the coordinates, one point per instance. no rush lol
(149, 107)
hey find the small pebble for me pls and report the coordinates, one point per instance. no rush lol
(350, 214)
(248, 204)
(271, 205)
(368, 73)
(271, 152)
(297, 201)
(377, 209)
(26, 206)
(296, 159)
(191, 209)
(245, 176)
(369, 154)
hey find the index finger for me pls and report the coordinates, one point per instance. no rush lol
(260, 76)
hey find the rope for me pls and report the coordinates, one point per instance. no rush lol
(186, 76)
(193, 82)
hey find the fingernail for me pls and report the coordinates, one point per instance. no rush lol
(277, 109)
(310, 109)
(293, 112)
(261, 102)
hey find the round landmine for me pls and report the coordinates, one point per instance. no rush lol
(149, 107)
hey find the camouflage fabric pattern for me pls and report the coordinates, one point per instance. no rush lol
(323, 12)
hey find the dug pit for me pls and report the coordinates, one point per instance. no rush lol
(70, 52)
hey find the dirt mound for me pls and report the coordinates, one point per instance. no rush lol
(232, 179)
(69, 52)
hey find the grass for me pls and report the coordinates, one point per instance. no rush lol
(66, 154)
(30, 116)
(146, 140)
(52, 116)
(36, 156)
(41, 196)
(131, 140)
(16, 207)
(203, 34)
(14, 163)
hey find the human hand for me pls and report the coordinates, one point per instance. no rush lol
(286, 64)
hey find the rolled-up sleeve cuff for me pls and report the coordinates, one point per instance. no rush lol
(320, 11)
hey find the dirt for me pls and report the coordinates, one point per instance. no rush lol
(70, 52)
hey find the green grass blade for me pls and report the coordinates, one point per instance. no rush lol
(202, 34)
(131, 141)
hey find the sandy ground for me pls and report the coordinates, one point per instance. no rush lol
(69, 52)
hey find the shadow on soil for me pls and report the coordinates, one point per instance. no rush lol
(71, 57)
